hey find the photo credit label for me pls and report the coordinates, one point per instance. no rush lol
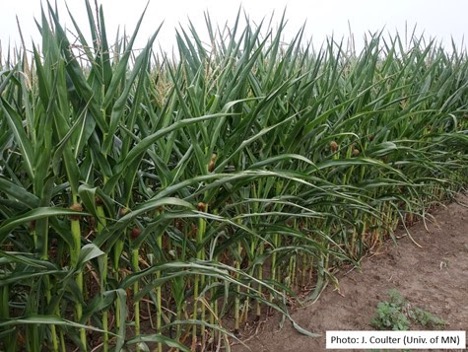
(396, 339)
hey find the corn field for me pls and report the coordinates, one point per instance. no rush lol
(158, 203)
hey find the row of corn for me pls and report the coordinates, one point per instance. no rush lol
(149, 202)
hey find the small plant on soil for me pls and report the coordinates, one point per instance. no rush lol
(425, 318)
(398, 314)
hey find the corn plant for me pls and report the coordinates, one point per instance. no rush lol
(156, 202)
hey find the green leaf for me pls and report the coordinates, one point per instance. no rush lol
(48, 320)
(35, 214)
(88, 252)
(22, 140)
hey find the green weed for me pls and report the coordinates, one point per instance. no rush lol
(398, 314)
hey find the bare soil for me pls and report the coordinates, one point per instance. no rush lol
(433, 277)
